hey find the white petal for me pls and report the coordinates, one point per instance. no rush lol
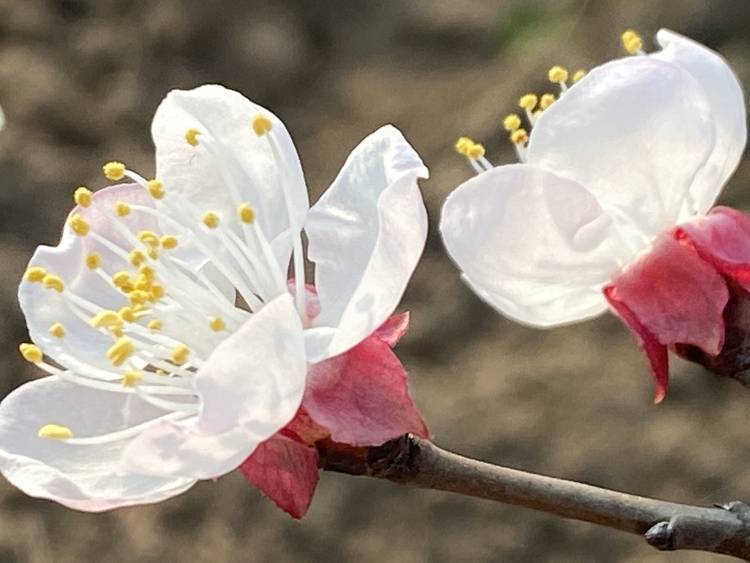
(80, 477)
(237, 155)
(44, 307)
(534, 245)
(727, 105)
(366, 235)
(634, 132)
(250, 387)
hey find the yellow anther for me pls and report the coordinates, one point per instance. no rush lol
(147, 272)
(30, 352)
(122, 209)
(136, 257)
(152, 253)
(57, 330)
(114, 171)
(546, 101)
(105, 319)
(93, 260)
(462, 145)
(82, 196)
(191, 136)
(168, 242)
(148, 237)
(138, 297)
(121, 279)
(577, 75)
(475, 151)
(180, 355)
(246, 213)
(519, 137)
(154, 325)
(155, 189)
(261, 125)
(211, 220)
(631, 42)
(120, 351)
(53, 282)
(79, 225)
(131, 378)
(157, 292)
(511, 122)
(126, 314)
(557, 74)
(55, 432)
(216, 324)
(35, 274)
(528, 102)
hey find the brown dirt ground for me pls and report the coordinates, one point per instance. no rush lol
(79, 81)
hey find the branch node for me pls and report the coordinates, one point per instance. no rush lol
(661, 536)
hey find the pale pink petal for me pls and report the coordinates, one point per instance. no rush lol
(250, 388)
(366, 235)
(393, 329)
(83, 477)
(534, 245)
(286, 471)
(634, 132)
(362, 397)
(727, 104)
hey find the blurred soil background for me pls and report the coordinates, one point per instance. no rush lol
(79, 81)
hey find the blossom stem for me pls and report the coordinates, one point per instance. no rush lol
(665, 525)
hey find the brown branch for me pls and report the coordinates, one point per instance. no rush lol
(665, 525)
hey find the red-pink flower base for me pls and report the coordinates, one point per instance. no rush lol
(676, 294)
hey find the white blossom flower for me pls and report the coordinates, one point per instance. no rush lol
(620, 156)
(164, 315)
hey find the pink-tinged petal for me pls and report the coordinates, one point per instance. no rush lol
(723, 239)
(366, 235)
(362, 397)
(669, 296)
(250, 388)
(82, 477)
(393, 329)
(655, 352)
(286, 471)
(727, 104)
(305, 429)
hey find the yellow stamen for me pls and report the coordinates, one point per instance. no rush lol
(557, 74)
(148, 237)
(475, 151)
(55, 432)
(93, 260)
(546, 101)
(261, 125)
(122, 209)
(180, 355)
(211, 220)
(155, 188)
(528, 102)
(511, 122)
(168, 242)
(79, 225)
(191, 136)
(577, 75)
(138, 297)
(122, 279)
(519, 137)
(631, 42)
(57, 330)
(30, 352)
(154, 325)
(120, 351)
(105, 319)
(35, 274)
(53, 282)
(82, 196)
(126, 314)
(157, 292)
(216, 324)
(114, 171)
(131, 378)
(462, 145)
(136, 257)
(246, 213)
(152, 253)
(147, 272)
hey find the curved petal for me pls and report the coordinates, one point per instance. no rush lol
(84, 477)
(229, 154)
(727, 106)
(44, 307)
(366, 235)
(635, 132)
(534, 245)
(250, 388)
